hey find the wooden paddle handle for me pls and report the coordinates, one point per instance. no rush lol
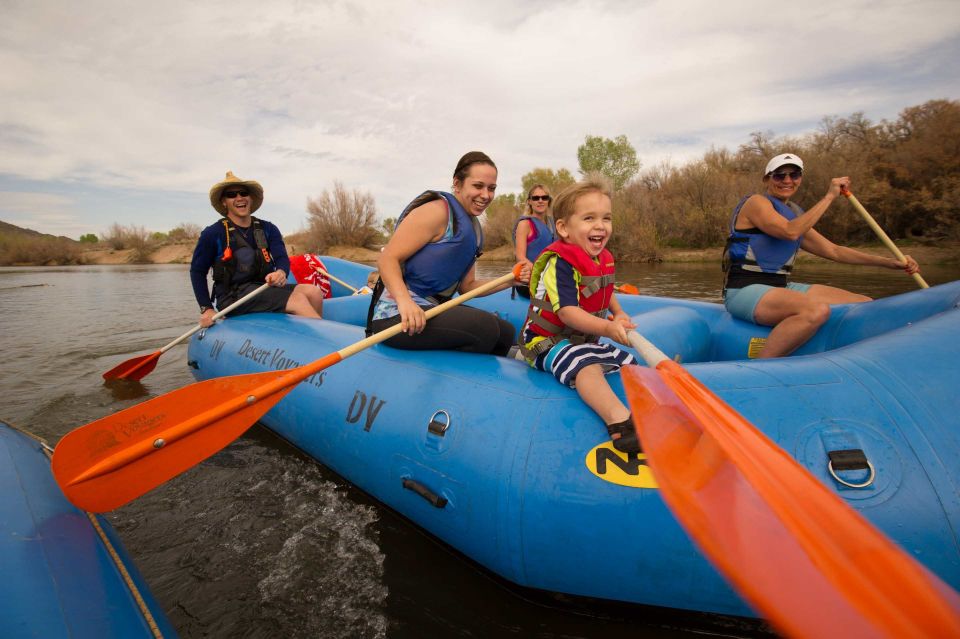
(335, 279)
(396, 329)
(872, 223)
(246, 298)
(650, 353)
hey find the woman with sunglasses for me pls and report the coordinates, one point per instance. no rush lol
(533, 231)
(766, 231)
(245, 252)
(430, 257)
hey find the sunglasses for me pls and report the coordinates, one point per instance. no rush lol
(539, 198)
(232, 194)
(780, 177)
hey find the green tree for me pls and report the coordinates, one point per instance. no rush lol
(554, 181)
(615, 158)
(89, 238)
(500, 217)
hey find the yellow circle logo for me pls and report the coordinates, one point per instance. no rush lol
(609, 464)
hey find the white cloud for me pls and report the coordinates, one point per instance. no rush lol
(157, 100)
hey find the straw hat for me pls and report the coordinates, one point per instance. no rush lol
(216, 192)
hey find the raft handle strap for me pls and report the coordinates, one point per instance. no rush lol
(435, 500)
(850, 459)
(438, 427)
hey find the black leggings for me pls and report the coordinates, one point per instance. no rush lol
(461, 328)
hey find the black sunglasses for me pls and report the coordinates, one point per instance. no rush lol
(780, 177)
(539, 198)
(232, 194)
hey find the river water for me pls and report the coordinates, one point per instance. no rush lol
(259, 540)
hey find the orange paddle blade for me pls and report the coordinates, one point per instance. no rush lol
(629, 289)
(106, 463)
(135, 368)
(114, 460)
(803, 558)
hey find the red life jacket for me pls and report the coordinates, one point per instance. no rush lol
(596, 279)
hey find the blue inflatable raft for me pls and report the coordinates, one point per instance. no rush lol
(510, 468)
(65, 573)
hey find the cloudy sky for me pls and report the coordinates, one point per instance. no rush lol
(128, 112)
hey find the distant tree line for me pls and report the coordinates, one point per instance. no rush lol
(23, 246)
(906, 172)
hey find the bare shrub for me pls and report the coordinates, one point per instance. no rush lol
(114, 237)
(342, 218)
(185, 233)
(120, 238)
(25, 249)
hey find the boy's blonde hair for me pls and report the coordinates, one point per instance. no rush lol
(592, 182)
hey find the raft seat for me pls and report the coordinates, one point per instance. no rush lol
(677, 331)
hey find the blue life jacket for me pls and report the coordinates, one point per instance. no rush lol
(753, 257)
(437, 268)
(542, 236)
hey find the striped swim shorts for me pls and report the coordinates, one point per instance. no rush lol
(565, 360)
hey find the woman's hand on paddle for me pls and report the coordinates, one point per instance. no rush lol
(837, 185)
(909, 265)
(276, 278)
(412, 318)
(206, 318)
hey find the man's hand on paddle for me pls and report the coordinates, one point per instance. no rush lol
(276, 278)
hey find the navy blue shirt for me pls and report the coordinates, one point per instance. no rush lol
(210, 246)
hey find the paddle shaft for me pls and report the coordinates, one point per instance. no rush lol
(335, 279)
(872, 223)
(650, 353)
(283, 382)
(246, 298)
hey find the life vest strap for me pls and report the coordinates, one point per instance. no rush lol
(593, 283)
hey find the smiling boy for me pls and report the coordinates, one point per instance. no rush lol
(571, 291)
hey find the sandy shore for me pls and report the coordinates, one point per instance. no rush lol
(947, 253)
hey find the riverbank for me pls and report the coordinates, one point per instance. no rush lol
(943, 254)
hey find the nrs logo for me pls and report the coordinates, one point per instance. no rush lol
(609, 464)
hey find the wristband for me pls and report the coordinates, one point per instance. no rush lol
(204, 309)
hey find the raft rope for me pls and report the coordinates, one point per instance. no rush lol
(147, 616)
(114, 555)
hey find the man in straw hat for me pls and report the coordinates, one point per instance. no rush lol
(766, 231)
(245, 252)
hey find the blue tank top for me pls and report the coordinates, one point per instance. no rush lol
(434, 272)
(542, 236)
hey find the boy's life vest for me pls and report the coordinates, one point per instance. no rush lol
(435, 271)
(239, 263)
(750, 256)
(595, 280)
(542, 234)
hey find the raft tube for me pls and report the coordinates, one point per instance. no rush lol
(511, 469)
(66, 573)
